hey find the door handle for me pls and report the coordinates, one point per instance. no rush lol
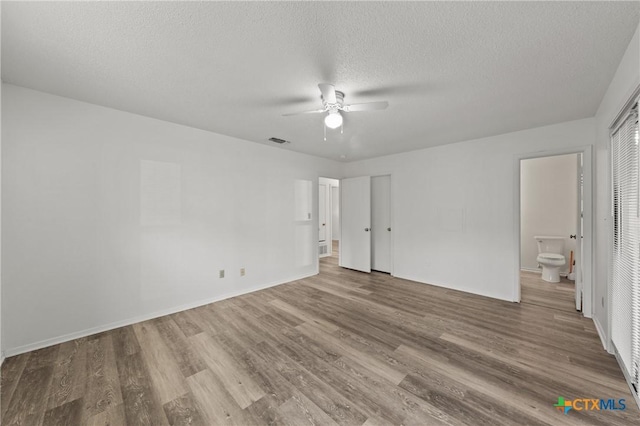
(389, 229)
(572, 236)
(366, 229)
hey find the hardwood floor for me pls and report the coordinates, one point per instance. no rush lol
(338, 348)
(536, 291)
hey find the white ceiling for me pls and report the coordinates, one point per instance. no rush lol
(451, 71)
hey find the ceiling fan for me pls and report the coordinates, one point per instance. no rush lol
(333, 105)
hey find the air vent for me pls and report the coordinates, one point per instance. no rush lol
(278, 140)
(323, 250)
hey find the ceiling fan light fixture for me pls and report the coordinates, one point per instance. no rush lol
(333, 120)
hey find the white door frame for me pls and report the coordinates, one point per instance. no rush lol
(587, 255)
(579, 242)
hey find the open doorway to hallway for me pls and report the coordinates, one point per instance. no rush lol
(328, 217)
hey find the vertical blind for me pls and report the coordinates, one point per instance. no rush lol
(625, 262)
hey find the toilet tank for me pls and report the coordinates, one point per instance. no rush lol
(550, 244)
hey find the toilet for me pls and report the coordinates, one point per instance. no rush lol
(550, 257)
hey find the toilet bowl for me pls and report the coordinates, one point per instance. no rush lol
(550, 258)
(551, 264)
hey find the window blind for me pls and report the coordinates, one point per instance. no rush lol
(625, 262)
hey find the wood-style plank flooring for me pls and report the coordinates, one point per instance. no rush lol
(338, 348)
(536, 291)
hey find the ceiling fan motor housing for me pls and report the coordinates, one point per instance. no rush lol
(339, 101)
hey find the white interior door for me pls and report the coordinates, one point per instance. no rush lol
(322, 213)
(579, 239)
(335, 213)
(381, 223)
(355, 219)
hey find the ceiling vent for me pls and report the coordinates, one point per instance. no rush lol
(278, 140)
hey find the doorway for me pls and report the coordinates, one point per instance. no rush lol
(551, 231)
(366, 231)
(328, 216)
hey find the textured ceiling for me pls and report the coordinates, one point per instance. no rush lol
(451, 71)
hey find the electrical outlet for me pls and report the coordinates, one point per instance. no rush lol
(221, 273)
(242, 272)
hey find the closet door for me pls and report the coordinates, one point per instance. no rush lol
(381, 223)
(355, 223)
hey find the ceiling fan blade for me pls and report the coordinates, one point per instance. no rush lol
(328, 93)
(369, 106)
(315, 111)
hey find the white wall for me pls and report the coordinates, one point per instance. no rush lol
(110, 217)
(453, 207)
(625, 81)
(548, 204)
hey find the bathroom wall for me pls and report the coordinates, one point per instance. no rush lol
(548, 203)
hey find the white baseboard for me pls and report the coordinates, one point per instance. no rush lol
(603, 336)
(111, 326)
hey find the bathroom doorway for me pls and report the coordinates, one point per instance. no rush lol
(551, 231)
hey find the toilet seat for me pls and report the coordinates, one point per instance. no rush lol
(551, 256)
(552, 259)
